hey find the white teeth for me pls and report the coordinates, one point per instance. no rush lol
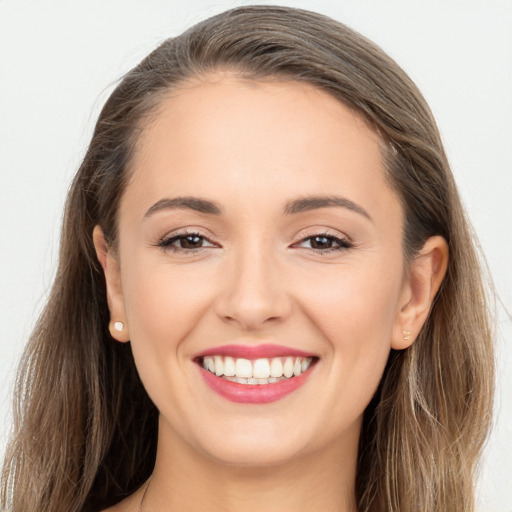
(241, 380)
(258, 371)
(219, 366)
(261, 369)
(276, 367)
(229, 367)
(306, 363)
(243, 368)
(288, 367)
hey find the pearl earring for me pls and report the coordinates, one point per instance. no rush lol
(118, 326)
(407, 335)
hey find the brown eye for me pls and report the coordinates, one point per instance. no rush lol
(321, 242)
(185, 242)
(190, 242)
(324, 243)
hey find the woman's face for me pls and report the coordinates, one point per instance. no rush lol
(258, 226)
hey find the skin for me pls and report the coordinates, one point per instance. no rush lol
(252, 148)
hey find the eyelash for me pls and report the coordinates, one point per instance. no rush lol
(343, 244)
(166, 243)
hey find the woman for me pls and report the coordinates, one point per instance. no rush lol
(267, 215)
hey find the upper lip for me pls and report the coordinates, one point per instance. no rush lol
(266, 350)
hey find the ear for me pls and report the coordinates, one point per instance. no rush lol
(423, 282)
(118, 325)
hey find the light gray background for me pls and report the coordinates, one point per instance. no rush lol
(59, 59)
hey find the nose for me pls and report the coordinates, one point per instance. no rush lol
(254, 292)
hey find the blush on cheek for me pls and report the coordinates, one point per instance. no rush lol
(162, 308)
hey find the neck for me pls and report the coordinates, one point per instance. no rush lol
(187, 480)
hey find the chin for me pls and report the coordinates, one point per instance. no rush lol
(258, 444)
(253, 455)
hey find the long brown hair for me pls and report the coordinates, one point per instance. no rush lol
(85, 430)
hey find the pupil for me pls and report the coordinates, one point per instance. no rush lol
(321, 242)
(191, 242)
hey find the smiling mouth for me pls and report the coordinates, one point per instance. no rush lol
(256, 371)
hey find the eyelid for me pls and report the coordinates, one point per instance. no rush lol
(343, 242)
(321, 231)
(165, 242)
(189, 230)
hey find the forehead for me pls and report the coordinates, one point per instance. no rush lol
(256, 139)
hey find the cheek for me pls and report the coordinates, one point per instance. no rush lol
(355, 311)
(163, 304)
(352, 304)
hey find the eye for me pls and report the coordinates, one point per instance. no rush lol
(185, 242)
(324, 243)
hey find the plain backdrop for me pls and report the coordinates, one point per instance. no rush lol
(59, 59)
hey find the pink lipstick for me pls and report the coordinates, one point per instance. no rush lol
(255, 374)
(254, 351)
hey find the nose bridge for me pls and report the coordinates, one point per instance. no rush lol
(254, 291)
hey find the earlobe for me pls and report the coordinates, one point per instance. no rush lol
(118, 326)
(425, 277)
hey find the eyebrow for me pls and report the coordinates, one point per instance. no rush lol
(185, 203)
(315, 202)
(292, 207)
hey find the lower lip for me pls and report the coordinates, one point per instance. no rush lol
(253, 393)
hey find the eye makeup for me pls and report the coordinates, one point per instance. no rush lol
(193, 241)
(185, 242)
(324, 243)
